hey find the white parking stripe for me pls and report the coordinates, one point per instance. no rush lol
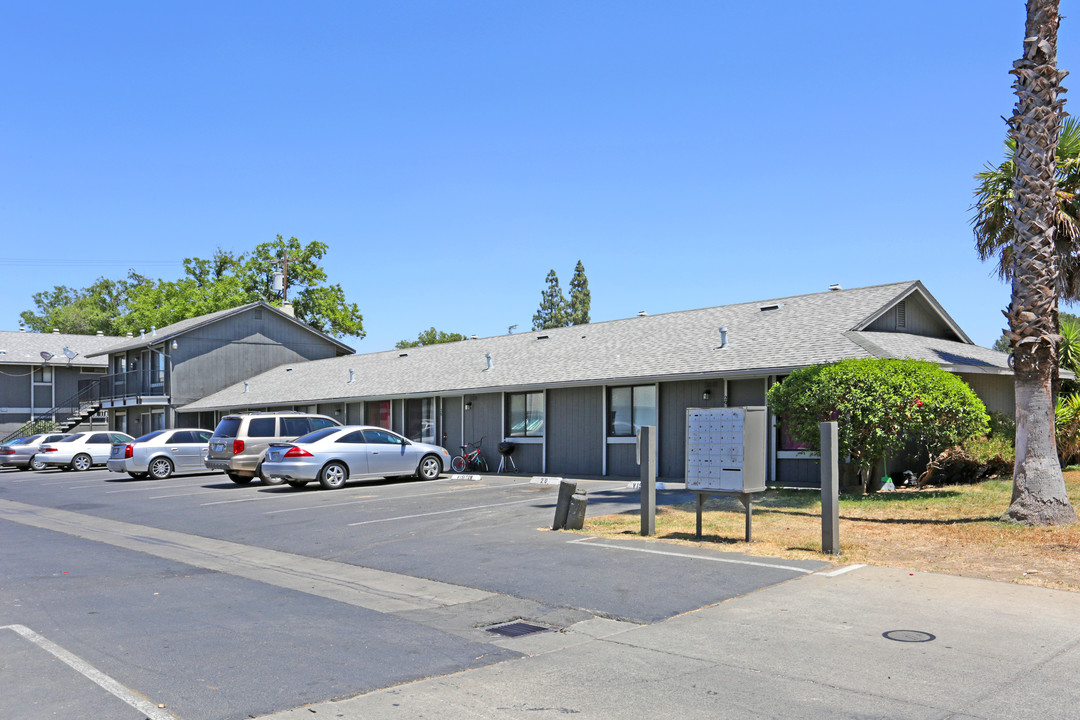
(841, 571)
(392, 498)
(588, 541)
(443, 512)
(152, 711)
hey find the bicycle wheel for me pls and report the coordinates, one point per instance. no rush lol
(458, 464)
(481, 463)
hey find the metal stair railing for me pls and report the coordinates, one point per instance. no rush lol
(83, 404)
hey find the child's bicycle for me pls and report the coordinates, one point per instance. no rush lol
(470, 459)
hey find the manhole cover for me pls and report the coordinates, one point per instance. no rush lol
(517, 629)
(908, 636)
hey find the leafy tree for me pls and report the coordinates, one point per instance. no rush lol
(223, 281)
(1038, 496)
(993, 221)
(554, 310)
(579, 297)
(880, 406)
(431, 336)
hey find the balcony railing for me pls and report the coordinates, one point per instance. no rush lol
(133, 383)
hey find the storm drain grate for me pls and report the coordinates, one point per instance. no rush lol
(517, 628)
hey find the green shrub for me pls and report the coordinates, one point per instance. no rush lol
(881, 406)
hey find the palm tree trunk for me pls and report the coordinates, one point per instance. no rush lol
(1039, 496)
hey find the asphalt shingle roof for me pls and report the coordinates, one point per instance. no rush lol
(25, 348)
(802, 330)
(168, 332)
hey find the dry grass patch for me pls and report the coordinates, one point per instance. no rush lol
(954, 529)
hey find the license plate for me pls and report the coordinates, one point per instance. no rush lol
(219, 446)
(274, 455)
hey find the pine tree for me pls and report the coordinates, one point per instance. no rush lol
(579, 297)
(553, 311)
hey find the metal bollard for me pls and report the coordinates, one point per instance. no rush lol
(575, 519)
(562, 507)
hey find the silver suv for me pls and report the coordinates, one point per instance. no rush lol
(240, 441)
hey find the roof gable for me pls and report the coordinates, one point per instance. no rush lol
(926, 302)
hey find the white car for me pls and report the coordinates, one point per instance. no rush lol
(161, 453)
(82, 450)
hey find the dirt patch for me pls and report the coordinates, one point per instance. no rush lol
(953, 529)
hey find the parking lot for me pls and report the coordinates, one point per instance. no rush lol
(222, 601)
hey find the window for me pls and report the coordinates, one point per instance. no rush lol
(356, 437)
(295, 426)
(525, 416)
(227, 427)
(157, 420)
(119, 438)
(318, 423)
(99, 439)
(182, 437)
(316, 435)
(43, 374)
(420, 419)
(629, 408)
(382, 437)
(262, 427)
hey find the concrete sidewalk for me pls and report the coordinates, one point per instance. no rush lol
(813, 647)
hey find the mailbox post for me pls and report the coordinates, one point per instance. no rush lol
(646, 447)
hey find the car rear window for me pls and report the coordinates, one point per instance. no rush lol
(28, 440)
(54, 438)
(227, 427)
(295, 426)
(71, 438)
(316, 436)
(262, 427)
(148, 436)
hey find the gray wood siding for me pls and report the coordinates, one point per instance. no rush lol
(996, 391)
(920, 319)
(574, 424)
(675, 398)
(451, 424)
(236, 348)
(485, 418)
(354, 413)
(15, 388)
(331, 410)
(744, 393)
(527, 458)
(397, 416)
(622, 461)
(798, 472)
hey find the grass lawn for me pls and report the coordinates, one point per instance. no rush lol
(953, 529)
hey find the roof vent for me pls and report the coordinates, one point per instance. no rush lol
(775, 306)
(101, 333)
(474, 337)
(642, 313)
(901, 315)
(404, 355)
(834, 287)
(723, 337)
(245, 386)
(56, 331)
(22, 328)
(153, 331)
(352, 375)
(487, 356)
(129, 333)
(542, 337)
(289, 369)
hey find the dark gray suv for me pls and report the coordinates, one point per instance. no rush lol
(240, 441)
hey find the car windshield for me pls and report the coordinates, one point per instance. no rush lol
(227, 427)
(149, 436)
(317, 435)
(71, 438)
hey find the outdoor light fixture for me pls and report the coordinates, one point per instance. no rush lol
(706, 395)
(174, 345)
(468, 406)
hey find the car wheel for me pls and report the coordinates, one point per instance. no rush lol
(35, 464)
(81, 462)
(333, 475)
(429, 468)
(266, 479)
(239, 479)
(137, 475)
(161, 468)
(297, 483)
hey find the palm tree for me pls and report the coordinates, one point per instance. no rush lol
(1038, 496)
(993, 220)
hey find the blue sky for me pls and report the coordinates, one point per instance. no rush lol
(690, 154)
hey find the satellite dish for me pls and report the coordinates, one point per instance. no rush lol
(46, 355)
(69, 353)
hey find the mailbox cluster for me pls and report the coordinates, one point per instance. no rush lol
(725, 449)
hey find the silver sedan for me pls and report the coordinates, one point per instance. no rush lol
(335, 455)
(161, 453)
